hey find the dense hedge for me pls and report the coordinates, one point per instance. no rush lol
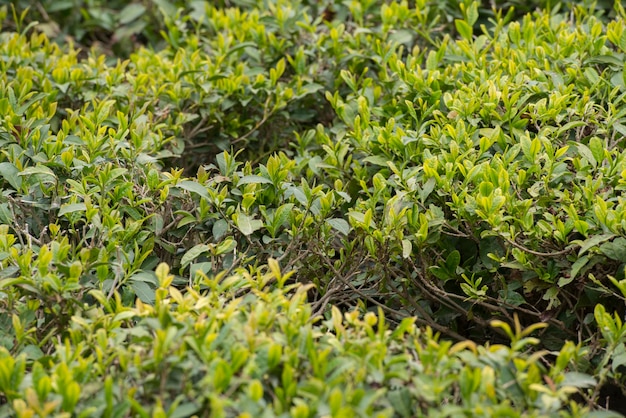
(442, 182)
(119, 26)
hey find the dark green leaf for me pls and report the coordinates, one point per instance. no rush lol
(184, 410)
(339, 224)
(11, 175)
(593, 242)
(452, 261)
(131, 12)
(220, 227)
(143, 291)
(192, 186)
(576, 267)
(193, 253)
(615, 250)
(71, 208)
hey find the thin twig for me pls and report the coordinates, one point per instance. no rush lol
(266, 116)
(538, 253)
(384, 307)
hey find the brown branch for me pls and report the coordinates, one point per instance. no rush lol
(538, 253)
(384, 307)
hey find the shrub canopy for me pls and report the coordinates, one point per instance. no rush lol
(283, 208)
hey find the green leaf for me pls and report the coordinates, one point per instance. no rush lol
(402, 36)
(439, 273)
(569, 126)
(339, 224)
(579, 380)
(603, 414)
(348, 78)
(10, 173)
(472, 13)
(37, 97)
(597, 148)
(254, 180)
(204, 267)
(376, 160)
(247, 224)
(124, 315)
(513, 298)
(282, 214)
(619, 359)
(464, 29)
(605, 59)
(593, 242)
(184, 410)
(167, 8)
(621, 129)
(240, 46)
(360, 218)
(60, 5)
(427, 189)
(8, 271)
(192, 186)
(402, 401)
(452, 261)
(71, 208)
(592, 75)
(32, 352)
(311, 88)
(615, 250)
(38, 170)
(576, 267)
(143, 291)
(407, 247)
(226, 246)
(220, 227)
(193, 253)
(485, 188)
(620, 284)
(586, 153)
(432, 61)
(298, 194)
(131, 12)
(146, 277)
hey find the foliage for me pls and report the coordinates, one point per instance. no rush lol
(118, 26)
(436, 166)
(247, 344)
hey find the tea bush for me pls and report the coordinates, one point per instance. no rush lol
(248, 345)
(441, 181)
(118, 26)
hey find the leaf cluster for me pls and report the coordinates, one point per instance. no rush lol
(427, 173)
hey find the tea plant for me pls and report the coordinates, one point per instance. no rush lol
(313, 208)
